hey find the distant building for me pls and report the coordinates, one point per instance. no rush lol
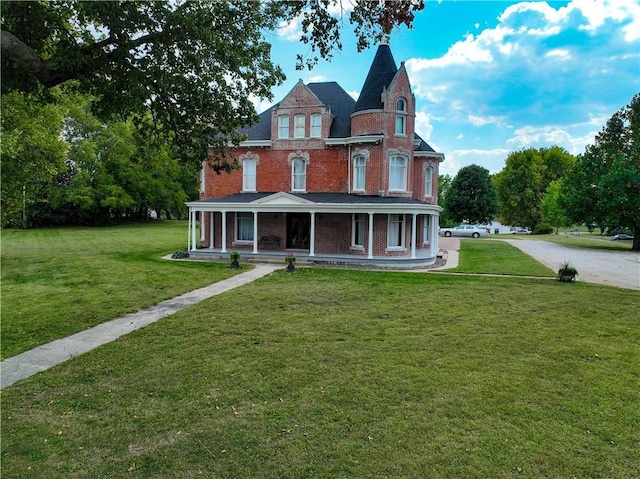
(328, 177)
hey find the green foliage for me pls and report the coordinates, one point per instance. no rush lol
(113, 172)
(471, 196)
(31, 151)
(523, 182)
(543, 229)
(604, 186)
(195, 65)
(552, 211)
(444, 183)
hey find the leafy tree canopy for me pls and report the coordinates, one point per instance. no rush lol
(472, 196)
(523, 182)
(194, 65)
(603, 187)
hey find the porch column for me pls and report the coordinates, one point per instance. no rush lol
(223, 248)
(211, 237)
(414, 217)
(189, 230)
(370, 245)
(194, 226)
(255, 232)
(312, 238)
(433, 243)
(203, 225)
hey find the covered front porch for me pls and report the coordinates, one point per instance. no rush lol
(318, 228)
(423, 258)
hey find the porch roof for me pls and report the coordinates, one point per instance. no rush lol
(318, 202)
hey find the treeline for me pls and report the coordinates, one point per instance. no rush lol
(545, 189)
(61, 165)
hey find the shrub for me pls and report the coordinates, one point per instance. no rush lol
(183, 253)
(543, 229)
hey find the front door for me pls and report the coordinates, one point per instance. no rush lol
(298, 228)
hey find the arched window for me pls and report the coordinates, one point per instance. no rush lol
(401, 116)
(283, 126)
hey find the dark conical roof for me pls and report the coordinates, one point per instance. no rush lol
(381, 73)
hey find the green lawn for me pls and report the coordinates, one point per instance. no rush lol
(583, 240)
(336, 373)
(58, 281)
(497, 257)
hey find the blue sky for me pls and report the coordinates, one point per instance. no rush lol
(498, 76)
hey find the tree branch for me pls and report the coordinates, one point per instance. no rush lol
(14, 48)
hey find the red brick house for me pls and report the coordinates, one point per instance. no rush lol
(328, 178)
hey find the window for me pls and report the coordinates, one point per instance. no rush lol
(395, 235)
(299, 174)
(283, 126)
(357, 236)
(359, 164)
(244, 226)
(425, 229)
(428, 181)
(249, 175)
(316, 125)
(298, 126)
(398, 173)
(401, 125)
(401, 119)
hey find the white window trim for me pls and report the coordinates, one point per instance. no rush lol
(296, 126)
(403, 233)
(355, 176)
(293, 182)
(354, 219)
(428, 173)
(406, 173)
(245, 176)
(404, 125)
(312, 126)
(281, 127)
(243, 241)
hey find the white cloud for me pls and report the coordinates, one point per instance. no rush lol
(477, 120)
(354, 94)
(546, 136)
(290, 30)
(492, 160)
(560, 53)
(423, 125)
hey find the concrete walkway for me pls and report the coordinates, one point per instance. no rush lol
(48, 355)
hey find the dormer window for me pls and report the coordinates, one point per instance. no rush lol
(316, 125)
(283, 126)
(401, 116)
(298, 126)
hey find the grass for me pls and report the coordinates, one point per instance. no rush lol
(329, 373)
(497, 257)
(584, 240)
(332, 373)
(56, 282)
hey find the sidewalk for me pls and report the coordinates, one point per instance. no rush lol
(48, 355)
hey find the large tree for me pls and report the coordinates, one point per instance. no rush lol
(604, 185)
(31, 149)
(523, 182)
(472, 196)
(195, 65)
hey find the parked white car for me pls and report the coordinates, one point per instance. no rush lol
(471, 231)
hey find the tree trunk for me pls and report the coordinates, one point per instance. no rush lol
(636, 239)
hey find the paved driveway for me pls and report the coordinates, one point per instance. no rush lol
(612, 268)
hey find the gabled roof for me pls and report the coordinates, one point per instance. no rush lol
(330, 94)
(383, 70)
